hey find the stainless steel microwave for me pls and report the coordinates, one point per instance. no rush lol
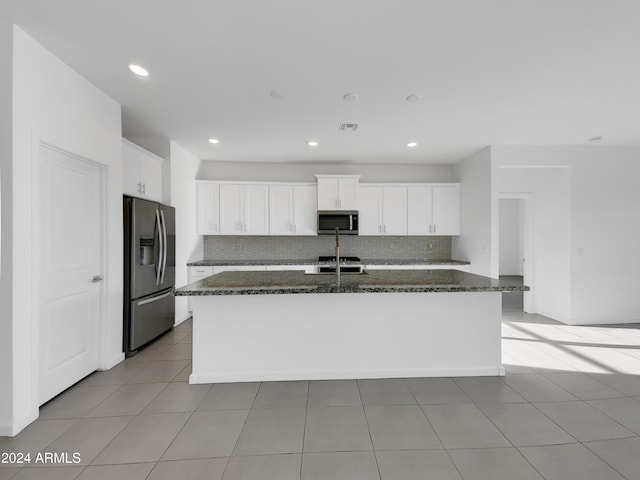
(346, 221)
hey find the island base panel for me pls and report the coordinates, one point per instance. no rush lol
(247, 338)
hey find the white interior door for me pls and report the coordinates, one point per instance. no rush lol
(70, 216)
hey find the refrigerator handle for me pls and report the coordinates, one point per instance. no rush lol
(164, 249)
(161, 241)
(154, 299)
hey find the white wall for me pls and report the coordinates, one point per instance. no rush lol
(476, 214)
(183, 170)
(299, 172)
(6, 220)
(52, 102)
(510, 244)
(550, 189)
(586, 228)
(605, 235)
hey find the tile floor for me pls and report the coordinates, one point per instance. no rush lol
(569, 408)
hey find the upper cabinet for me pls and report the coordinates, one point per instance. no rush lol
(383, 210)
(141, 172)
(433, 209)
(244, 209)
(208, 208)
(293, 209)
(237, 208)
(338, 192)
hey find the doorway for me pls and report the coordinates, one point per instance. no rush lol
(515, 248)
(68, 228)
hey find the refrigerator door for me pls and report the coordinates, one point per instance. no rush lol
(146, 246)
(150, 317)
(168, 266)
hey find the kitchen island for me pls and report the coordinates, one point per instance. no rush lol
(288, 325)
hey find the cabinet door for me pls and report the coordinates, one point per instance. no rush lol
(394, 210)
(305, 210)
(370, 213)
(151, 177)
(256, 209)
(281, 210)
(277, 268)
(419, 210)
(231, 206)
(327, 194)
(208, 208)
(131, 184)
(347, 193)
(446, 210)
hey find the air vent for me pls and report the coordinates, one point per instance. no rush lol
(348, 127)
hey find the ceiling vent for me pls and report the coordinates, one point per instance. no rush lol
(348, 127)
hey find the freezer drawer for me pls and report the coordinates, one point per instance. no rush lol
(149, 317)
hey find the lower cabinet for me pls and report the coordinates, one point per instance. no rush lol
(306, 268)
(464, 268)
(197, 273)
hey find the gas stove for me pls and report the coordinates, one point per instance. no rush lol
(329, 258)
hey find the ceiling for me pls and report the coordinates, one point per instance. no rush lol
(489, 72)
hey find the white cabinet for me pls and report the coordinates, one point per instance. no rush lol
(293, 209)
(338, 192)
(208, 208)
(244, 209)
(238, 268)
(388, 267)
(197, 273)
(446, 210)
(383, 210)
(141, 172)
(433, 210)
(305, 268)
(464, 268)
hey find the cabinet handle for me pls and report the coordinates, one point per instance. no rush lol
(139, 187)
(144, 188)
(384, 229)
(434, 228)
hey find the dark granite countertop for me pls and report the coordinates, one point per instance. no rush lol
(314, 261)
(286, 282)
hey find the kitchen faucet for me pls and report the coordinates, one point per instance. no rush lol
(337, 257)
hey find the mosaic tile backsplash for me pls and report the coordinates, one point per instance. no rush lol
(219, 247)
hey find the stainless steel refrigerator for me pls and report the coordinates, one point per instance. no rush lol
(149, 271)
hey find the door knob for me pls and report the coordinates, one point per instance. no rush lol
(96, 278)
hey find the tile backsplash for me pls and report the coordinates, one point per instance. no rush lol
(221, 247)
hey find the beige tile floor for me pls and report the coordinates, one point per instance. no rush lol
(569, 408)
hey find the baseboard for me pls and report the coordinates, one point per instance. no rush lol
(178, 322)
(115, 360)
(19, 425)
(220, 377)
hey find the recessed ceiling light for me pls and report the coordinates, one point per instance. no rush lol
(414, 97)
(595, 139)
(312, 143)
(215, 141)
(277, 94)
(412, 144)
(350, 97)
(138, 70)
